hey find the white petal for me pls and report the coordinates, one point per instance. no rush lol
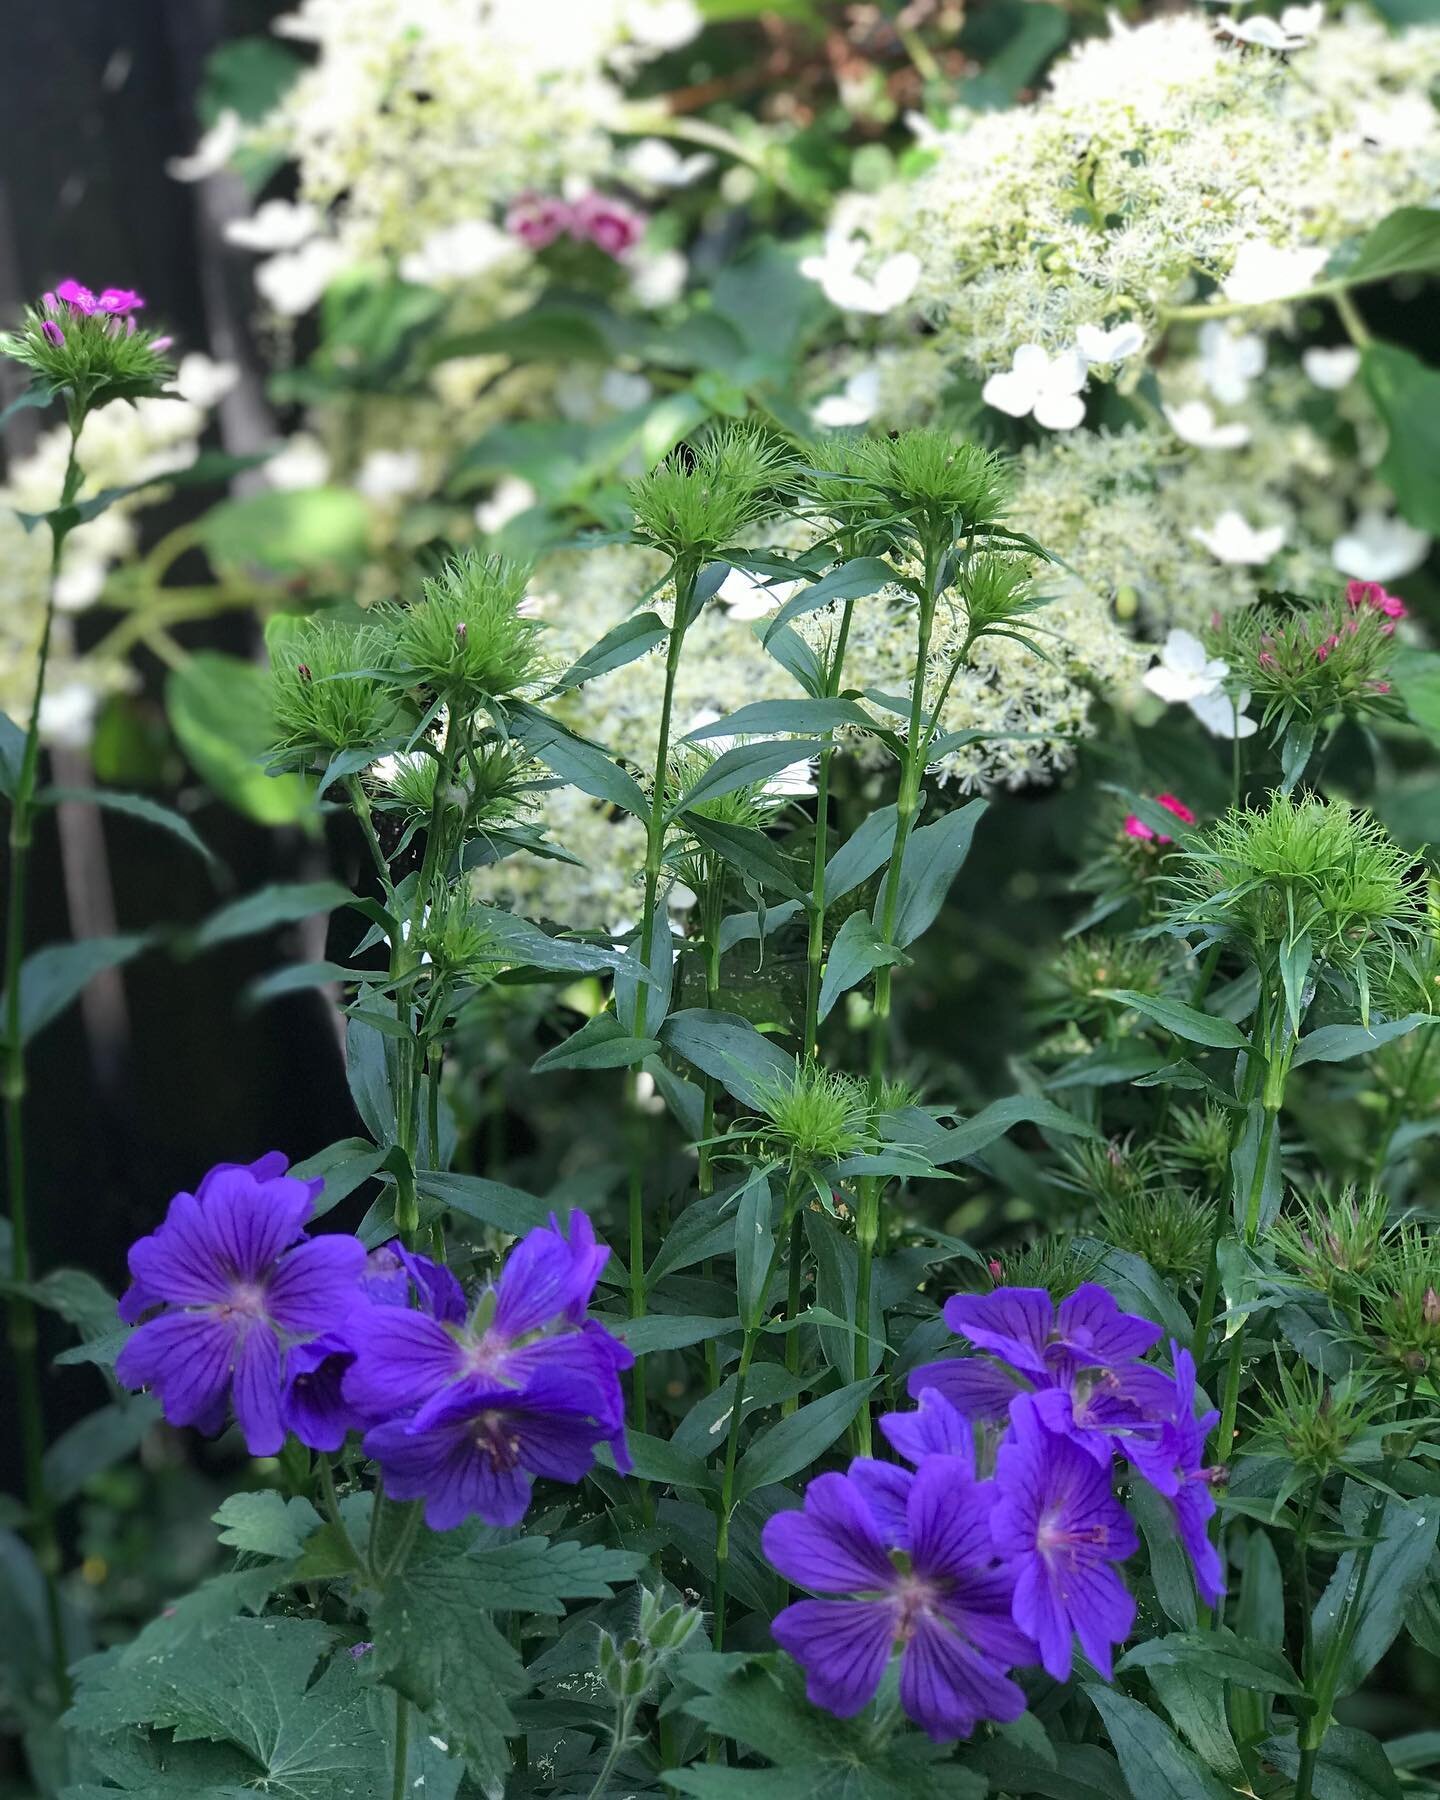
(1173, 685)
(1101, 346)
(1059, 411)
(1183, 650)
(896, 280)
(1013, 394)
(1333, 368)
(1223, 716)
(1377, 548)
(1032, 361)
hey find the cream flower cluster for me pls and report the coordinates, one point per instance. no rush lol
(419, 121)
(1158, 153)
(120, 446)
(1038, 710)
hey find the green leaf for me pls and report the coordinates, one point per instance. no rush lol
(932, 860)
(1169, 1565)
(1200, 1710)
(1222, 1656)
(1338, 1043)
(789, 1446)
(343, 1167)
(1405, 242)
(729, 1048)
(492, 1203)
(367, 1071)
(1152, 1759)
(852, 580)
(630, 639)
(248, 1686)
(50, 979)
(1012, 61)
(762, 717)
(600, 1043)
(1351, 1765)
(434, 1642)
(670, 1331)
(1087, 1772)
(96, 1443)
(12, 755)
(135, 806)
(754, 1246)
(1407, 397)
(769, 302)
(576, 760)
(282, 903)
(705, 1228)
(1181, 1020)
(747, 765)
(1397, 1567)
(970, 1136)
(752, 851)
(662, 1460)
(288, 531)
(266, 1523)
(532, 1575)
(219, 710)
(858, 949)
(861, 855)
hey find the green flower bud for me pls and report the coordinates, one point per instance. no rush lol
(465, 638)
(329, 691)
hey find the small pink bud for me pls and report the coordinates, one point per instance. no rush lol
(162, 343)
(1430, 1307)
(538, 219)
(997, 1272)
(303, 671)
(609, 224)
(52, 333)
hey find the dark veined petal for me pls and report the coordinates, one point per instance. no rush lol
(1014, 1323)
(843, 1647)
(974, 1386)
(949, 1517)
(185, 1357)
(256, 1391)
(177, 1263)
(947, 1687)
(402, 1357)
(936, 1427)
(833, 1546)
(886, 1489)
(1093, 1327)
(315, 1284)
(249, 1222)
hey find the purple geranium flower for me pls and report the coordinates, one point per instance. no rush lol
(481, 1444)
(1060, 1530)
(1174, 1465)
(226, 1286)
(943, 1603)
(536, 1308)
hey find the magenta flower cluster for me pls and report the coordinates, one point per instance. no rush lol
(462, 1405)
(539, 220)
(119, 304)
(1001, 1545)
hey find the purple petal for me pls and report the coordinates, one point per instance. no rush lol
(936, 1428)
(843, 1647)
(1014, 1323)
(441, 1295)
(177, 1263)
(1038, 1611)
(249, 1222)
(1103, 1611)
(949, 1518)
(948, 1689)
(1093, 1327)
(547, 1276)
(976, 1387)
(256, 1392)
(185, 1358)
(979, 1606)
(401, 1359)
(316, 1283)
(1194, 1507)
(312, 1404)
(834, 1545)
(886, 1489)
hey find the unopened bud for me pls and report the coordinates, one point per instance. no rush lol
(996, 1269)
(636, 1679)
(462, 631)
(1415, 1362)
(303, 671)
(1430, 1307)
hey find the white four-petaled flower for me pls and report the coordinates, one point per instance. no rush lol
(1295, 27)
(1185, 676)
(837, 269)
(1264, 272)
(1380, 548)
(1233, 539)
(1049, 387)
(856, 403)
(1195, 423)
(1332, 368)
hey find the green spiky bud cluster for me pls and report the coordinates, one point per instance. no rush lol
(490, 784)
(457, 936)
(1332, 1241)
(465, 638)
(1086, 966)
(1312, 661)
(1168, 1227)
(1300, 867)
(1198, 1141)
(1400, 1302)
(1303, 1421)
(700, 500)
(811, 1116)
(329, 690)
(919, 483)
(995, 592)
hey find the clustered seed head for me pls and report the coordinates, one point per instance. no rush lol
(1300, 865)
(1170, 1228)
(702, 498)
(328, 691)
(465, 638)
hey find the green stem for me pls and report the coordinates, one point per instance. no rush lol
(1305, 1774)
(712, 901)
(727, 1490)
(330, 1501)
(810, 1045)
(23, 1332)
(796, 1255)
(637, 1245)
(360, 800)
(399, 1785)
(685, 578)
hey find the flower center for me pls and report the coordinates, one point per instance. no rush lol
(915, 1597)
(247, 1301)
(493, 1439)
(1055, 1534)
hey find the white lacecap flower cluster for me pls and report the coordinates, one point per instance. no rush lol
(417, 122)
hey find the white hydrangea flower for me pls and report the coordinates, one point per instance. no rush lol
(837, 270)
(747, 596)
(203, 382)
(296, 280)
(301, 462)
(1331, 368)
(1229, 361)
(657, 163)
(459, 252)
(387, 475)
(511, 496)
(1295, 27)
(1263, 272)
(1097, 345)
(1195, 423)
(1047, 386)
(856, 403)
(275, 225)
(213, 152)
(1380, 547)
(1184, 675)
(657, 277)
(1233, 539)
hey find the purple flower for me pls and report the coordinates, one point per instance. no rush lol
(118, 302)
(1173, 1464)
(935, 1428)
(80, 299)
(470, 1411)
(943, 1603)
(480, 1444)
(538, 1305)
(52, 333)
(227, 1286)
(1059, 1529)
